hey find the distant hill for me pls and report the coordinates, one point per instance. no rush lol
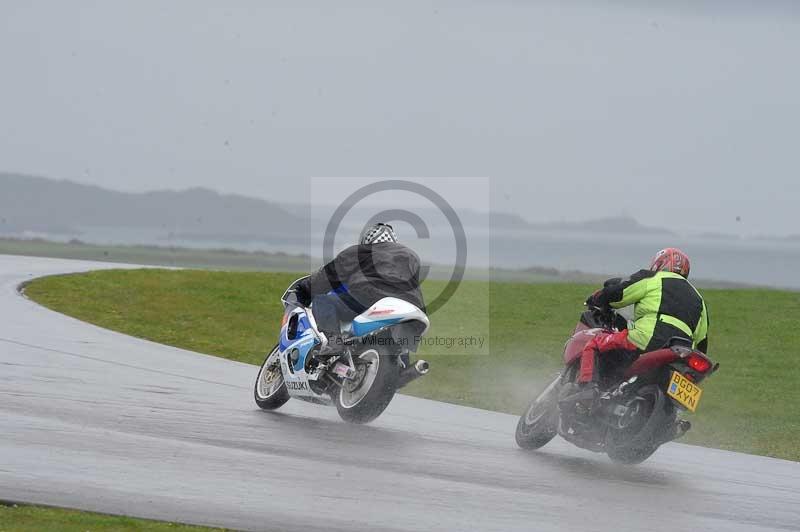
(502, 220)
(37, 204)
(779, 238)
(618, 224)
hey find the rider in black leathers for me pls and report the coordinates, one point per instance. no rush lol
(360, 276)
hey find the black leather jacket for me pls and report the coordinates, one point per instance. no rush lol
(369, 272)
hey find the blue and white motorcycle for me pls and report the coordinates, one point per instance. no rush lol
(360, 374)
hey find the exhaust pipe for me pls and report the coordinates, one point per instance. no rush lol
(416, 371)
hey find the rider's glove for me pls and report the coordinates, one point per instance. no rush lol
(302, 294)
(594, 299)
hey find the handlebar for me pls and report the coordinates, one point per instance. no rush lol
(604, 317)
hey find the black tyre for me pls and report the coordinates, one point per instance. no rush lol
(270, 390)
(636, 439)
(365, 397)
(539, 424)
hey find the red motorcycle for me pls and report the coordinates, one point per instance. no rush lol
(640, 399)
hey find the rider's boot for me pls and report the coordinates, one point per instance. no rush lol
(588, 398)
(329, 345)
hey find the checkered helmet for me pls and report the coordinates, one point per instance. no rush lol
(378, 233)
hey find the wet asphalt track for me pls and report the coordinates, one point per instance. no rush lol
(100, 421)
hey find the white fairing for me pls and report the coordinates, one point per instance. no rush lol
(388, 311)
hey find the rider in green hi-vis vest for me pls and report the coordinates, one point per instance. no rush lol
(666, 305)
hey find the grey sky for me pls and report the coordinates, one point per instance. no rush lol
(684, 115)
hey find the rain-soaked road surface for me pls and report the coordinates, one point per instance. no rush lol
(100, 421)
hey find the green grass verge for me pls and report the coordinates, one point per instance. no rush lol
(15, 518)
(748, 406)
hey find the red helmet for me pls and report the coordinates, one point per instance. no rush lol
(671, 260)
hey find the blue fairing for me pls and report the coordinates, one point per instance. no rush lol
(304, 346)
(303, 327)
(304, 340)
(285, 342)
(360, 329)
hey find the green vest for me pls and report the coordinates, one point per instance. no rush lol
(665, 305)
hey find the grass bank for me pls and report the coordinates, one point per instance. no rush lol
(748, 406)
(15, 518)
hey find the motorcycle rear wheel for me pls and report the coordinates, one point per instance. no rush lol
(365, 397)
(634, 444)
(539, 424)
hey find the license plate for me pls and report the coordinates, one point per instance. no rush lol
(684, 391)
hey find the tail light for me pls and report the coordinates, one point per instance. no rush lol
(698, 362)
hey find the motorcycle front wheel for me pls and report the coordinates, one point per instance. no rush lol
(539, 424)
(364, 397)
(270, 389)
